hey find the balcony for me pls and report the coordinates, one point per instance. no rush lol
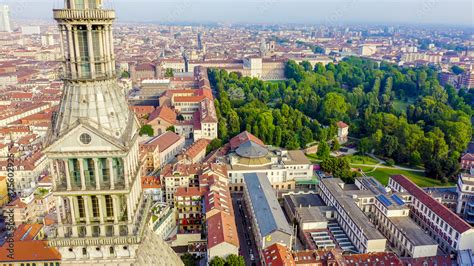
(77, 14)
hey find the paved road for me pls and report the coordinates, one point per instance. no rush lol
(245, 234)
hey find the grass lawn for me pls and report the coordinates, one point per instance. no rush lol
(419, 178)
(402, 105)
(360, 159)
(313, 158)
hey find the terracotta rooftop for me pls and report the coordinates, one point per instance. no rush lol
(243, 137)
(276, 255)
(165, 113)
(164, 141)
(196, 148)
(190, 192)
(341, 124)
(36, 250)
(222, 228)
(151, 182)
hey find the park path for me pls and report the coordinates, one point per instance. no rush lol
(381, 163)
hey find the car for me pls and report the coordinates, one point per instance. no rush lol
(249, 244)
(252, 258)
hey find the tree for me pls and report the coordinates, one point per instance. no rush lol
(339, 167)
(365, 145)
(214, 145)
(171, 128)
(318, 50)
(457, 70)
(217, 261)
(323, 150)
(188, 259)
(334, 107)
(306, 65)
(234, 260)
(147, 130)
(335, 145)
(125, 75)
(169, 73)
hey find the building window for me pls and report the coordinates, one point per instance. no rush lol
(95, 206)
(85, 139)
(80, 206)
(109, 205)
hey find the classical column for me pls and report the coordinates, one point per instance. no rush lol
(59, 216)
(52, 173)
(101, 199)
(107, 47)
(116, 208)
(111, 173)
(78, 53)
(129, 215)
(71, 52)
(126, 173)
(91, 50)
(112, 65)
(96, 173)
(68, 174)
(86, 200)
(83, 177)
(61, 34)
(73, 216)
(101, 49)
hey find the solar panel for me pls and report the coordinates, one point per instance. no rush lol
(384, 200)
(398, 200)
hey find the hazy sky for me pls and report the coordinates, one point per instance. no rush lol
(449, 12)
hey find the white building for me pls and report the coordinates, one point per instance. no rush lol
(465, 190)
(5, 19)
(450, 231)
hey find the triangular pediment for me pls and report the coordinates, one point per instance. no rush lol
(84, 138)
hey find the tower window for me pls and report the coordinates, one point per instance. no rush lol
(95, 206)
(109, 205)
(80, 206)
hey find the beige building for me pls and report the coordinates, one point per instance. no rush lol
(93, 152)
(283, 168)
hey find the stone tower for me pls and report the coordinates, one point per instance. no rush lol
(94, 154)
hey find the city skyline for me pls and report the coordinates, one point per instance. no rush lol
(437, 12)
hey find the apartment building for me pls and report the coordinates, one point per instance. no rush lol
(450, 231)
(188, 202)
(465, 202)
(161, 150)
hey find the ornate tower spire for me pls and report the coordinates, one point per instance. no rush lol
(94, 154)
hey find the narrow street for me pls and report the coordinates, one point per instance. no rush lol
(247, 244)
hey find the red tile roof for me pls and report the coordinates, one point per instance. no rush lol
(165, 113)
(151, 182)
(442, 211)
(35, 250)
(379, 258)
(243, 137)
(27, 232)
(164, 141)
(341, 124)
(278, 255)
(196, 148)
(222, 228)
(190, 192)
